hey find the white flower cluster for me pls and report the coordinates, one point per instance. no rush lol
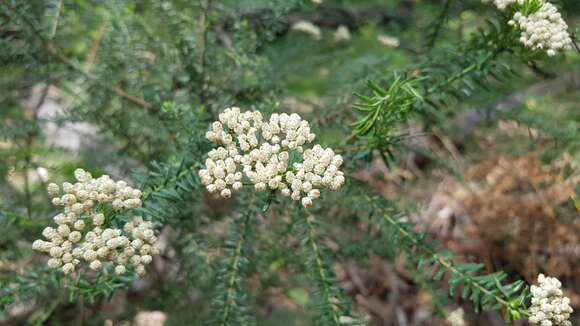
(542, 30)
(549, 306)
(79, 234)
(389, 41)
(261, 150)
(456, 317)
(308, 28)
(342, 33)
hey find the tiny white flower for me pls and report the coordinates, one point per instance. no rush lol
(456, 317)
(95, 265)
(54, 263)
(68, 268)
(120, 269)
(53, 190)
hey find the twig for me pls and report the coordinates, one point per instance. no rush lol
(441, 19)
(56, 18)
(234, 270)
(546, 74)
(204, 21)
(329, 297)
(450, 147)
(54, 51)
(92, 55)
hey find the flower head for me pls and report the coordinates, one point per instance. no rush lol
(342, 33)
(542, 29)
(261, 151)
(549, 305)
(80, 233)
(456, 317)
(308, 28)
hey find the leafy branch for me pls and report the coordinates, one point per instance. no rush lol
(448, 74)
(229, 308)
(334, 309)
(58, 54)
(166, 186)
(486, 292)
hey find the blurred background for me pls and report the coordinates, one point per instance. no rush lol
(113, 86)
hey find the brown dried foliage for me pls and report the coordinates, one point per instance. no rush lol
(518, 214)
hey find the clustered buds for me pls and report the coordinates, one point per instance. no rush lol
(543, 29)
(549, 305)
(79, 235)
(456, 317)
(262, 152)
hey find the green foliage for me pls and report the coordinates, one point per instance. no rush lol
(230, 301)
(384, 110)
(484, 291)
(334, 308)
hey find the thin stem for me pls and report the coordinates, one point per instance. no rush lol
(234, 271)
(27, 193)
(309, 218)
(55, 52)
(491, 55)
(203, 61)
(56, 18)
(439, 24)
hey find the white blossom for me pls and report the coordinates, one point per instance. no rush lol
(549, 305)
(53, 190)
(307, 27)
(543, 29)
(260, 150)
(81, 233)
(342, 33)
(120, 269)
(456, 317)
(389, 41)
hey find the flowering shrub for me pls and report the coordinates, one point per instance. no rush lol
(397, 91)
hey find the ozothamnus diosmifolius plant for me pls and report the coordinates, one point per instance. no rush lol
(232, 213)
